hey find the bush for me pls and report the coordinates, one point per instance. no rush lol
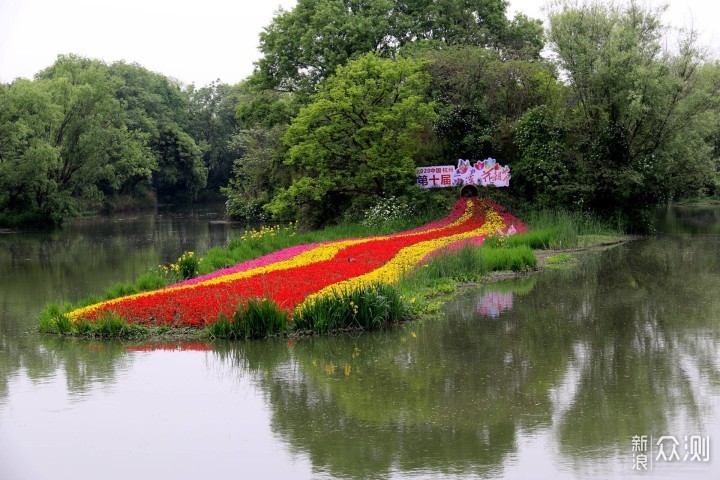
(187, 266)
(257, 318)
(386, 210)
(368, 308)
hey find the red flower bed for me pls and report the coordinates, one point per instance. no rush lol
(203, 303)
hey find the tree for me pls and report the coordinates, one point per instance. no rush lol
(302, 47)
(637, 104)
(212, 123)
(65, 142)
(181, 173)
(82, 133)
(159, 110)
(481, 94)
(357, 136)
(451, 22)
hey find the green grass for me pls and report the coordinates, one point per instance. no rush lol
(534, 239)
(470, 264)
(565, 229)
(257, 318)
(561, 260)
(368, 308)
(109, 325)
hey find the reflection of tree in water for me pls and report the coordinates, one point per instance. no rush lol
(430, 396)
(651, 334)
(363, 408)
(690, 220)
(85, 257)
(596, 354)
(83, 363)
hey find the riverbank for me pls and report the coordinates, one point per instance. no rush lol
(427, 300)
(414, 290)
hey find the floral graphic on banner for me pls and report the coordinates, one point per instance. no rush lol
(483, 173)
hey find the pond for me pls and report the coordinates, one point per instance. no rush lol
(596, 371)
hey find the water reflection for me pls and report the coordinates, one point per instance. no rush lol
(85, 257)
(695, 220)
(497, 297)
(626, 344)
(572, 365)
(492, 303)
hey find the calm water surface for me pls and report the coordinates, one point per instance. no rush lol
(549, 376)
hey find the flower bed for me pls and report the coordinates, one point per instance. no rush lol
(297, 275)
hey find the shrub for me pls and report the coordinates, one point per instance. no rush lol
(187, 266)
(368, 308)
(256, 318)
(386, 210)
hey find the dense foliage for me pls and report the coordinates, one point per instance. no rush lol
(84, 135)
(615, 124)
(350, 95)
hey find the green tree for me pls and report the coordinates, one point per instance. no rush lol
(181, 173)
(481, 94)
(212, 123)
(171, 120)
(65, 143)
(258, 170)
(302, 47)
(451, 22)
(357, 137)
(638, 105)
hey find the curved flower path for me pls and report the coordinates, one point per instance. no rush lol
(300, 274)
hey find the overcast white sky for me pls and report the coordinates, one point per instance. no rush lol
(194, 41)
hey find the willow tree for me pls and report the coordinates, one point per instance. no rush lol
(640, 106)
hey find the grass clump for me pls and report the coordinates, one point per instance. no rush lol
(561, 260)
(371, 307)
(517, 259)
(109, 325)
(535, 239)
(566, 228)
(469, 264)
(257, 318)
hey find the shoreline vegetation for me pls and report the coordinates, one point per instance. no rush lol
(554, 238)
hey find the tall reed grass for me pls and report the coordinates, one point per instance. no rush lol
(255, 318)
(368, 308)
(565, 228)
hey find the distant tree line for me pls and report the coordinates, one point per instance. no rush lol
(350, 96)
(86, 136)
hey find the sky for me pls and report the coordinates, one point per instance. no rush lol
(197, 41)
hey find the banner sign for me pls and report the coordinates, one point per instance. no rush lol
(483, 172)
